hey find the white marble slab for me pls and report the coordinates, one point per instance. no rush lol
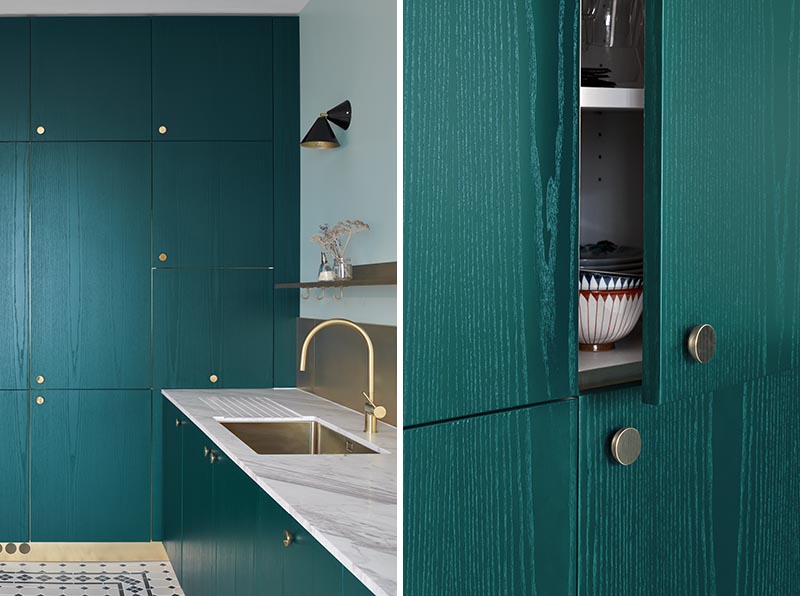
(347, 502)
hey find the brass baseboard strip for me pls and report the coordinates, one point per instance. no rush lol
(44, 552)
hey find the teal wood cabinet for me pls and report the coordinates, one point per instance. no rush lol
(90, 466)
(90, 79)
(212, 78)
(14, 163)
(490, 169)
(212, 322)
(14, 79)
(14, 466)
(90, 243)
(351, 586)
(490, 503)
(212, 204)
(174, 422)
(710, 506)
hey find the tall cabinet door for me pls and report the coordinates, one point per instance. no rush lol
(14, 466)
(14, 79)
(90, 227)
(722, 137)
(490, 205)
(174, 423)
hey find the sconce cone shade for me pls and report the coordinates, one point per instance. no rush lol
(321, 136)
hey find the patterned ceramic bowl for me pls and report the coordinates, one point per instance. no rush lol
(592, 280)
(606, 316)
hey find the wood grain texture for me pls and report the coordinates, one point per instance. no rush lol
(212, 204)
(303, 556)
(491, 129)
(90, 466)
(172, 458)
(286, 115)
(14, 163)
(721, 212)
(14, 79)
(710, 507)
(90, 295)
(14, 466)
(271, 521)
(212, 321)
(90, 78)
(212, 78)
(490, 504)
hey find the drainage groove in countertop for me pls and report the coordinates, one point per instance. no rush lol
(248, 407)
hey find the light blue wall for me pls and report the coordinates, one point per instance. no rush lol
(348, 50)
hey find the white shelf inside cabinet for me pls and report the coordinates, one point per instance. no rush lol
(611, 98)
(623, 364)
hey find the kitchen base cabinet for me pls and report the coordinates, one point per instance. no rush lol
(14, 466)
(352, 586)
(90, 466)
(490, 504)
(174, 422)
(710, 506)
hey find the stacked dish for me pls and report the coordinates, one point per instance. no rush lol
(610, 288)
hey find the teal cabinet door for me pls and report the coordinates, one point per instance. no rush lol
(490, 504)
(90, 466)
(212, 322)
(212, 78)
(302, 556)
(271, 523)
(14, 79)
(199, 550)
(721, 211)
(90, 295)
(174, 424)
(90, 79)
(490, 177)
(212, 204)
(14, 264)
(14, 466)
(710, 506)
(351, 586)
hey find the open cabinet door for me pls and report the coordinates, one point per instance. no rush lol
(722, 192)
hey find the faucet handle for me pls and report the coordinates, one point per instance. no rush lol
(370, 408)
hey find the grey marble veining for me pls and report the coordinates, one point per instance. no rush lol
(347, 502)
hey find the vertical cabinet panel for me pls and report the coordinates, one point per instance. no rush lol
(212, 204)
(490, 504)
(13, 265)
(304, 554)
(721, 208)
(490, 209)
(212, 78)
(271, 521)
(710, 506)
(90, 255)
(352, 586)
(213, 322)
(173, 428)
(90, 79)
(14, 79)
(90, 466)
(14, 466)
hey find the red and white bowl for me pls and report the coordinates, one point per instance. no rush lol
(607, 316)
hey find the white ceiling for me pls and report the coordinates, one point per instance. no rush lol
(134, 7)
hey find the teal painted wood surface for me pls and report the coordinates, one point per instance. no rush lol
(90, 79)
(14, 186)
(212, 78)
(490, 504)
(172, 458)
(710, 507)
(199, 566)
(306, 554)
(157, 466)
(351, 586)
(90, 466)
(212, 322)
(14, 79)
(90, 295)
(271, 521)
(212, 204)
(14, 466)
(721, 212)
(490, 178)
(286, 115)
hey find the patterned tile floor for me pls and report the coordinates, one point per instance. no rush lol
(88, 579)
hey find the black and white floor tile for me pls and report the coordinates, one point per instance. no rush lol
(88, 579)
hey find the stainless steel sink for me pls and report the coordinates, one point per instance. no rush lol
(307, 437)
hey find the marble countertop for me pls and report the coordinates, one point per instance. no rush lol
(348, 503)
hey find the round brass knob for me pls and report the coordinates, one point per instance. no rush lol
(178, 422)
(702, 343)
(213, 378)
(162, 130)
(288, 538)
(626, 445)
(39, 400)
(162, 257)
(40, 379)
(206, 451)
(40, 130)
(379, 412)
(214, 457)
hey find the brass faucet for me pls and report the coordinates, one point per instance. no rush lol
(372, 413)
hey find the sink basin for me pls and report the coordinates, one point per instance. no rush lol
(302, 437)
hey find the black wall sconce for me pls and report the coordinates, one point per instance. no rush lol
(321, 136)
